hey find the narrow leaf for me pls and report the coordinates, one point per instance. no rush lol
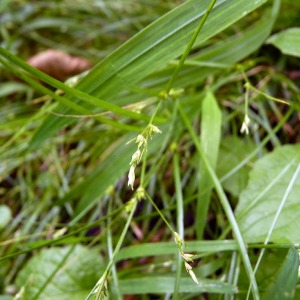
(165, 284)
(150, 50)
(170, 248)
(211, 121)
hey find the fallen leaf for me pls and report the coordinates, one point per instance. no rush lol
(58, 64)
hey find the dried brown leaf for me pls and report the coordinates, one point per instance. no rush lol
(58, 64)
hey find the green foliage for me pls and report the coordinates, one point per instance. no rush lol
(5, 215)
(148, 51)
(166, 285)
(96, 205)
(287, 41)
(60, 273)
(210, 127)
(276, 275)
(230, 158)
(283, 281)
(261, 199)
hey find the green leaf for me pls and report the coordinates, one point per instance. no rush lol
(116, 163)
(44, 22)
(229, 158)
(60, 273)
(5, 297)
(259, 202)
(68, 89)
(225, 53)
(211, 122)
(283, 283)
(160, 42)
(150, 50)
(165, 284)
(9, 88)
(170, 248)
(5, 215)
(287, 41)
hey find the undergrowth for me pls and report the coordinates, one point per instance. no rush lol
(170, 170)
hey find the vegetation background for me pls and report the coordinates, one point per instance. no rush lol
(170, 169)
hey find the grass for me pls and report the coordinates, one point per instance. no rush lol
(137, 182)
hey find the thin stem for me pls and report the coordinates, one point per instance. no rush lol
(247, 102)
(180, 217)
(110, 251)
(248, 86)
(101, 284)
(189, 47)
(266, 95)
(159, 212)
(65, 101)
(143, 171)
(260, 146)
(155, 112)
(64, 87)
(179, 196)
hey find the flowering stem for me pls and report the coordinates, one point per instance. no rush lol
(155, 112)
(180, 217)
(100, 286)
(246, 100)
(160, 213)
(143, 171)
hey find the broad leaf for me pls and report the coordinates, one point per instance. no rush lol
(287, 41)
(277, 274)
(60, 273)
(229, 158)
(259, 202)
(283, 283)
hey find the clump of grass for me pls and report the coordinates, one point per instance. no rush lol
(224, 108)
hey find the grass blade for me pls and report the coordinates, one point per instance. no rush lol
(150, 50)
(226, 206)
